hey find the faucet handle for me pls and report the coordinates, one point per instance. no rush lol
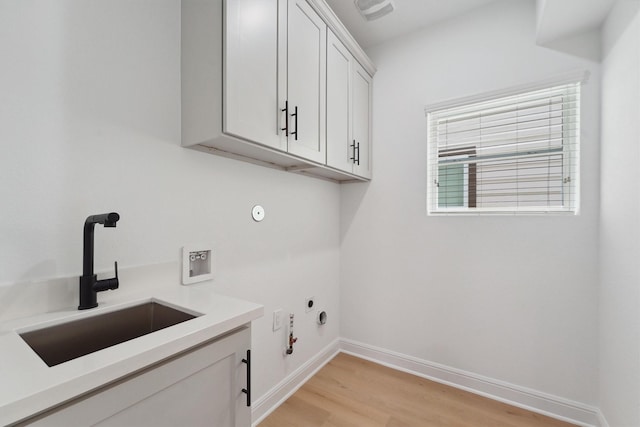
(107, 284)
(114, 283)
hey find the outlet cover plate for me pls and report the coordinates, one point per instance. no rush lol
(277, 320)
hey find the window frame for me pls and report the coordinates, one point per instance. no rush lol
(579, 78)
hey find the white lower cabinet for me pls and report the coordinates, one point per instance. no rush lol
(200, 387)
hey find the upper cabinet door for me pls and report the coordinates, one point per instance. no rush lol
(340, 150)
(306, 74)
(251, 97)
(362, 119)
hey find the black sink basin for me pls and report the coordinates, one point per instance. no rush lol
(61, 343)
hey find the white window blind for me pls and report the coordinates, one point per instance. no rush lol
(512, 154)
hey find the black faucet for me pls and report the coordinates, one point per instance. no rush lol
(89, 283)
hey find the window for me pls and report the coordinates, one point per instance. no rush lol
(511, 154)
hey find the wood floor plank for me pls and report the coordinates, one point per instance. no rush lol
(353, 392)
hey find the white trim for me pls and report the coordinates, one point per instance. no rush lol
(555, 137)
(560, 79)
(543, 210)
(275, 397)
(522, 397)
(533, 400)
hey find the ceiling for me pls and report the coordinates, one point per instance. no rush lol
(556, 18)
(565, 18)
(409, 16)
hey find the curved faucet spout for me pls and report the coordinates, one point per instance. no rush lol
(108, 219)
(88, 280)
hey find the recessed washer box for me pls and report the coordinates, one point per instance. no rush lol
(196, 264)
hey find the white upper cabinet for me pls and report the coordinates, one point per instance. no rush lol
(349, 90)
(362, 90)
(256, 75)
(339, 147)
(306, 81)
(251, 91)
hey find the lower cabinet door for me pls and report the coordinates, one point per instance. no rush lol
(201, 387)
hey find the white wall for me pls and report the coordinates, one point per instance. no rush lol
(90, 123)
(619, 298)
(509, 298)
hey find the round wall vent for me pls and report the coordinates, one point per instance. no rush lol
(374, 9)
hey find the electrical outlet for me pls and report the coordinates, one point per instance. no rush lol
(277, 320)
(309, 303)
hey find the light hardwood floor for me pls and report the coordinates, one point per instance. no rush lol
(352, 392)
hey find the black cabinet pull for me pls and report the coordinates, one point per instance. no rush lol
(295, 114)
(285, 110)
(353, 158)
(247, 390)
(358, 157)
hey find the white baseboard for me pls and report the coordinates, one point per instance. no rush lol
(266, 404)
(532, 400)
(546, 404)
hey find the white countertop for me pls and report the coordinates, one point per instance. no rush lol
(28, 386)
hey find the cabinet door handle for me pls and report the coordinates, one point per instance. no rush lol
(353, 158)
(295, 114)
(358, 151)
(285, 110)
(247, 390)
